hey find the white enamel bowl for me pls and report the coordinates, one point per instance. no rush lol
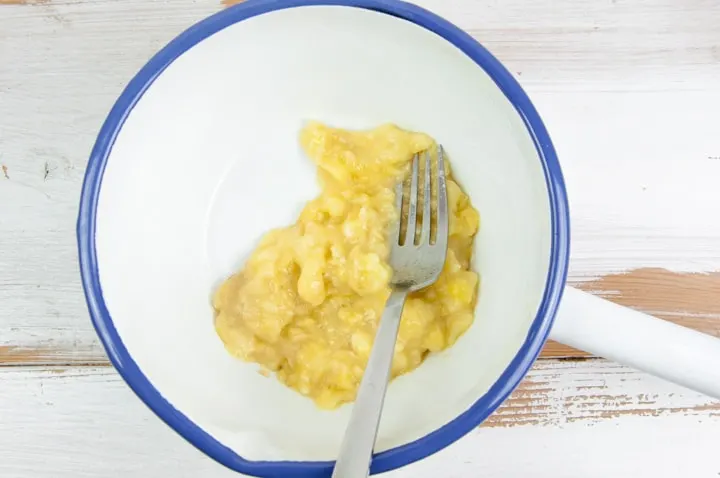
(200, 156)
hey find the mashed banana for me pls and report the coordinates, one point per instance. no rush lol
(307, 302)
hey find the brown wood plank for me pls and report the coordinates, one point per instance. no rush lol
(691, 300)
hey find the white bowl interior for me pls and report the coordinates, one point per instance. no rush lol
(208, 160)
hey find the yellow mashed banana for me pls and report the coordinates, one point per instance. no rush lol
(307, 302)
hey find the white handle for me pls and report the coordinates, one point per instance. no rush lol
(675, 353)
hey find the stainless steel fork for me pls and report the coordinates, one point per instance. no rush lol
(416, 260)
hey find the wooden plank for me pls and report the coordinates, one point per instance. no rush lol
(689, 299)
(85, 422)
(558, 392)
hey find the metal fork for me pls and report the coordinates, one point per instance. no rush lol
(416, 263)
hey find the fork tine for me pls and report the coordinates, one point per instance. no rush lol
(427, 201)
(396, 229)
(442, 201)
(412, 209)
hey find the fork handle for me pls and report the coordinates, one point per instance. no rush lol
(359, 441)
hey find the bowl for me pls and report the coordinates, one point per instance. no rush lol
(199, 156)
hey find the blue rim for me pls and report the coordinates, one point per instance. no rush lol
(396, 457)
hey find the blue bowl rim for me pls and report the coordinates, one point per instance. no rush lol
(396, 457)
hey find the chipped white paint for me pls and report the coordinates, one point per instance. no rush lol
(84, 422)
(556, 394)
(630, 93)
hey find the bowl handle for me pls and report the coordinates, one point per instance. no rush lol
(678, 354)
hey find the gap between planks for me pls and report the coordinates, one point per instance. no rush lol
(689, 299)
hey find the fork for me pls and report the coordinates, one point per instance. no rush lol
(416, 262)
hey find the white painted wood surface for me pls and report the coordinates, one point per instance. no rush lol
(85, 422)
(630, 90)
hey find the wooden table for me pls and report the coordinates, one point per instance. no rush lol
(630, 90)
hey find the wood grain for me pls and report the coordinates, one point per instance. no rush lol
(690, 299)
(22, 2)
(11, 356)
(599, 390)
(590, 419)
